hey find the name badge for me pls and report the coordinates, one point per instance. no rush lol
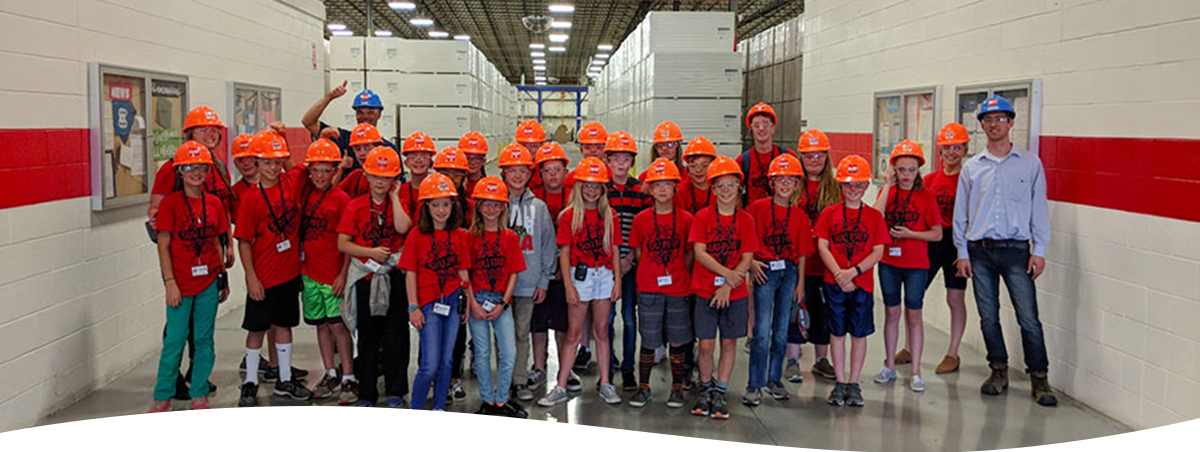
(719, 281)
(441, 309)
(301, 256)
(283, 246)
(372, 265)
(778, 264)
(488, 306)
(664, 281)
(200, 270)
(894, 251)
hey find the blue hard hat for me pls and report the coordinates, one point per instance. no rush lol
(367, 98)
(994, 104)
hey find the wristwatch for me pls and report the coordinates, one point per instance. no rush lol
(857, 269)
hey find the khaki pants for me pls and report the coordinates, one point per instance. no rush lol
(523, 314)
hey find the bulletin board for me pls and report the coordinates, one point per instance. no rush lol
(904, 115)
(254, 108)
(134, 123)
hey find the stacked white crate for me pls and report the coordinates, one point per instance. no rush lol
(774, 63)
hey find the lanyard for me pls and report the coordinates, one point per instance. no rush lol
(201, 223)
(717, 212)
(377, 224)
(280, 221)
(673, 224)
(847, 229)
(779, 253)
(499, 254)
(441, 278)
(762, 168)
(895, 205)
(306, 214)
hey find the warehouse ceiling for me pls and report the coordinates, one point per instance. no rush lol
(495, 27)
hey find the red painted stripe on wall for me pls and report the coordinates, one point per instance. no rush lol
(41, 165)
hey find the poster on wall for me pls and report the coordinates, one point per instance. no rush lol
(167, 101)
(124, 136)
(254, 108)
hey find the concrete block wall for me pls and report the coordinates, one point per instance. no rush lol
(1120, 299)
(80, 291)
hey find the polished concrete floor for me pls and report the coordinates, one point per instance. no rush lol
(950, 415)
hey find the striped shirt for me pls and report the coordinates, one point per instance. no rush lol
(628, 200)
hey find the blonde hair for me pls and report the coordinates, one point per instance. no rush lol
(477, 227)
(577, 210)
(828, 191)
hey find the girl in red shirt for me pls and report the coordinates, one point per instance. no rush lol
(551, 313)
(475, 146)
(204, 127)
(418, 153)
(588, 237)
(694, 193)
(667, 141)
(913, 221)
(437, 261)
(819, 192)
(189, 255)
(452, 162)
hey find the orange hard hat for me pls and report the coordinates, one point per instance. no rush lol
(621, 141)
(451, 158)
(761, 109)
(435, 186)
(853, 169)
(662, 169)
(953, 133)
(241, 146)
(418, 142)
(491, 188)
(473, 143)
(723, 166)
(592, 133)
(591, 169)
(269, 145)
(201, 116)
(530, 131)
(785, 165)
(192, 153)
(364, 134)
(382, 161)
(551, 151)
(700, 146)
(323, 150)
(907, 148)
(667, 132)
(813, 140)
(515, 155)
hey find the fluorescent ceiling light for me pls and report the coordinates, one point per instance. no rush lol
(537, 46)
(406, 6)
(560, 25)
(539, 68)
(562, 8)
(462, 37)
(336, 27)
(537, 54)
(557, 49)
(560, 38)
(539, 61)
(604, 47)
(602, 56)
(421, 22)
(343, 33)
(383, 33)
(438, 34)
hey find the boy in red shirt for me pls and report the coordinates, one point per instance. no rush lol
(943, 185)
(551, 313)
(755, 161)
(851, 237)
(418, 151)
(363, 139)
(694, 193)
(592, 139)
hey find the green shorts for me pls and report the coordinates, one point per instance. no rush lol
(320, 305)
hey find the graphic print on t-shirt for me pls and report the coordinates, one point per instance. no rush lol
(442, 260)
(663, 243)
(281, 217)
(779, 240)
(723, 241)
(197, 238)
(901, 211)
(590, 241)
(489, 261)
(811, 201)
(850, 236)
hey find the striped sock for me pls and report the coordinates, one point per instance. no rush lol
(722, 386)
(645, 363)
(678, 366)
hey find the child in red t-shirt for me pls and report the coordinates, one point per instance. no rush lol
(363, 139)
(943, 185)
(189, 254)
(851, 237)
(452, 162)
(694, 193)
(437, 264)
(551, 313)
(820, 191)
(724, 238)
(913, 221)
(659, 237)
(588, 237)
(418, 153)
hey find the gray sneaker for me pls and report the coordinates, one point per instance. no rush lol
(777, 391)
(793, 371)
(885, 376)
(537, 378)
(854, 395)
(753, 397)
(608, 393)
(677, 399)
(554, 397)
(837, 397)
(640, 398)
(523, 393)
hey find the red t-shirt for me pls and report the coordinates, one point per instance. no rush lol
(757, 185)
(165, 180)
(726, 239)
(471, 186)
(663, 241)
(692, 199)
(851, 234)
(437, 259)
(495, 257)
(370, 225)
(785, 232)
(355, 184)
(943, 188)
(917, 211)
(810, 203)
(194, 225)
(587, 244)
(270, 220)
(555, 202)
(241, 190)
(320, 214)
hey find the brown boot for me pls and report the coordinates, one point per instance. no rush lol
(949, 364)
(997, 383)
(1041, 390)
(903, 357)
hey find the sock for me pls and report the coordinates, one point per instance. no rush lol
(285, 361)
(331, 372)
(252, 358)
(793, 352)
(678, 367)
(350, 377)
(645, 363)
(689, 357)
(722, 386)
(706, 385)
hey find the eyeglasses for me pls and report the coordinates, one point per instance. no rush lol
(995, 119)
(592, 186)
(726, 186)
(476, 158)
(194, 167)
(856, 185)
(516, 170)
(761, 125)
(321, 170)
(620, 158)
(490, 205)
(206, 130)
(418, 156)
(553, 170)
(813, 155)
(954, 147)
(669, 144)
(786, 180)
(906, 170)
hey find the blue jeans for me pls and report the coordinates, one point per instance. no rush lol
(481, 342)
(437, 353)
(990, 265)
(772, 314)
(913, 280)
(629, 347)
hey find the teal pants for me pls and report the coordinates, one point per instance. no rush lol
(202, 310)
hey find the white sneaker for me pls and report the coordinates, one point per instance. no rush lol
(554, 397)
(917, 385)
(608, 393)
(885, 376)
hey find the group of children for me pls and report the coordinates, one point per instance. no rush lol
(773, 245)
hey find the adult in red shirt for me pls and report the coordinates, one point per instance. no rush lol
(551, 313)
(913, 221)
(659, 237)
(851, 237)
(323, 269)
(724, 238)
(592, 139)
(267, 230)
(754, 162)
(694, 193)
(363, 139)
(189, 255)
(778, 270)
(202, 126)
(372, 233)
(820, 191)
(943, 185)
(437, 262)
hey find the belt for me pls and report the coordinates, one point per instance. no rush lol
(994, 243)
